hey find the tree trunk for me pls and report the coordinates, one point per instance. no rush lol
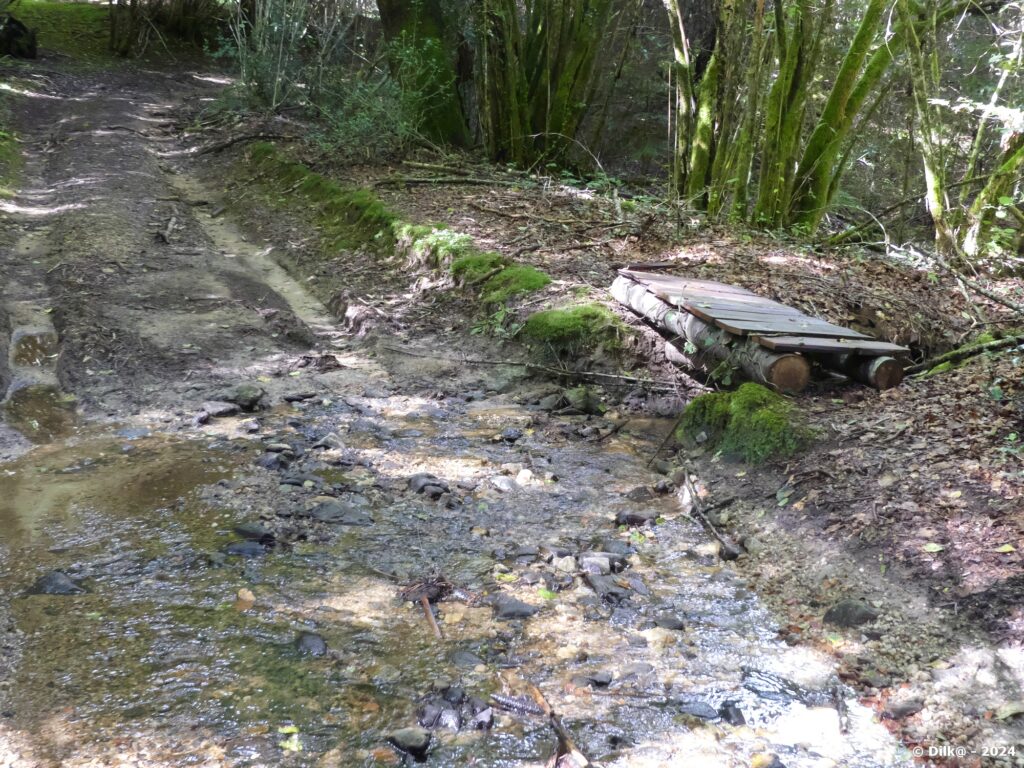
(416, 33)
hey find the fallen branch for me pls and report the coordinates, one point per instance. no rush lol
(425, 602)
(729, 549)
(965, 353)
(409, 180)
(221, 146)
(566, 745)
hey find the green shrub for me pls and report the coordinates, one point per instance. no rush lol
(752, 422)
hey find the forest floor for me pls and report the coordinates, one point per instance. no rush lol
(244, 561)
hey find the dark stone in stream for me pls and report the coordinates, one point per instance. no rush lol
(636, 517)
(310, 644)
(414, 741)
(636, 669)
(600, 679)
(902, 709)
(850, 613)
(217, 408)
(697, 708)
(640, 493)
(730, 713)
(56, 583)
(255, 532)
(339, 513)
(245, 549)
(466, 659)
(616, 547)
(272, 461)
(428, 484)
(669, 622)
(511, 434)
(606, 588)
(508, 607)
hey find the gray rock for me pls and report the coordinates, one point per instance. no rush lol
(503, 483)
(255, 532)
(272, 461)
(667, 621)
(339, 513)
(245, 396)
(595, 563)
(428, 484)
(466, 659)
(565, 564)
(414, 741)
(310, 644)
(508, 607)
(216, 408)
(56, 583)
(245, 549)
(600, 679)
(730, 712)
(697, 708)
(606, 587)
(898, 710)
(636, 669)
(850, 613)
(640, 493)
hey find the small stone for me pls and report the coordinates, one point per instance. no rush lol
(414, 741)
(423, 481)
(310, 644)
(640, 493)
(217, 408)
(503, 483)
(56, 583)
(730, 713)
(595, 563)
(669, 622)
(339, 513)
(636, 669)
(466, 659)
(753, 545)
(850, 613)
(600, 679)
(511, 435)
(565, 564)
(245, 549)
(898, 710)
(508, 607)
(697, 708)
(524, 477)
(272, 461)
(638, 517)
(255, 532)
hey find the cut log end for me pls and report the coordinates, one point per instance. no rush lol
(880, 372)
(788, 373)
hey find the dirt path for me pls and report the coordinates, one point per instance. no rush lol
(242, 570)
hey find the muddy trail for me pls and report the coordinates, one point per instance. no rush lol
(222, 515)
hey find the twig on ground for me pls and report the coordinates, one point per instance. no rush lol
(429, 614)
(566, 745)
(729, 549)
(410, 180)
(964, 353)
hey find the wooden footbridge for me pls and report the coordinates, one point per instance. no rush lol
(771, 342)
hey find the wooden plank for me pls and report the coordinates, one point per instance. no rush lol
(865, 346)
(712, 306)
(797, 326)
(683, 283)
(710, 315)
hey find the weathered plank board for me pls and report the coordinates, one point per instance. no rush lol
(802, 326)
(807, 343)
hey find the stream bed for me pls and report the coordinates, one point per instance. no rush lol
(239, 599)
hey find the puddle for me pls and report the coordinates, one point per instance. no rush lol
(40, 413)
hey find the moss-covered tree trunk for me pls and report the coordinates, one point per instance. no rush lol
(417, 36)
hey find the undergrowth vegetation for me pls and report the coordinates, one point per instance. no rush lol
(80, 30)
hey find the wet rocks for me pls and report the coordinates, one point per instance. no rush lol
(414, 741)
(56, 583)
(730, 712)
(508, 607)
(898, 710)
(850, 614)
(218, 409)
(606, 587)
(272, 461)
(429, 485)
(669, 621)
(310, 644)
(255, 532)
(636, 517)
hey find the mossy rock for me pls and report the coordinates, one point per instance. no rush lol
(584, 327)
(474, 267)
(752, 422)
(512, 281)
(442, 246)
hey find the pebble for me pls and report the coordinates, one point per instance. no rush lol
(245, 549)
(508, 607)
(637, 517)
(310, 644)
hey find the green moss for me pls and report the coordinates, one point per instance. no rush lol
(442, 246)
(584, 327)
(753, 422)
(940, 368)
(474, 267)
(81, 30)
(348, 217)
(513, 281)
